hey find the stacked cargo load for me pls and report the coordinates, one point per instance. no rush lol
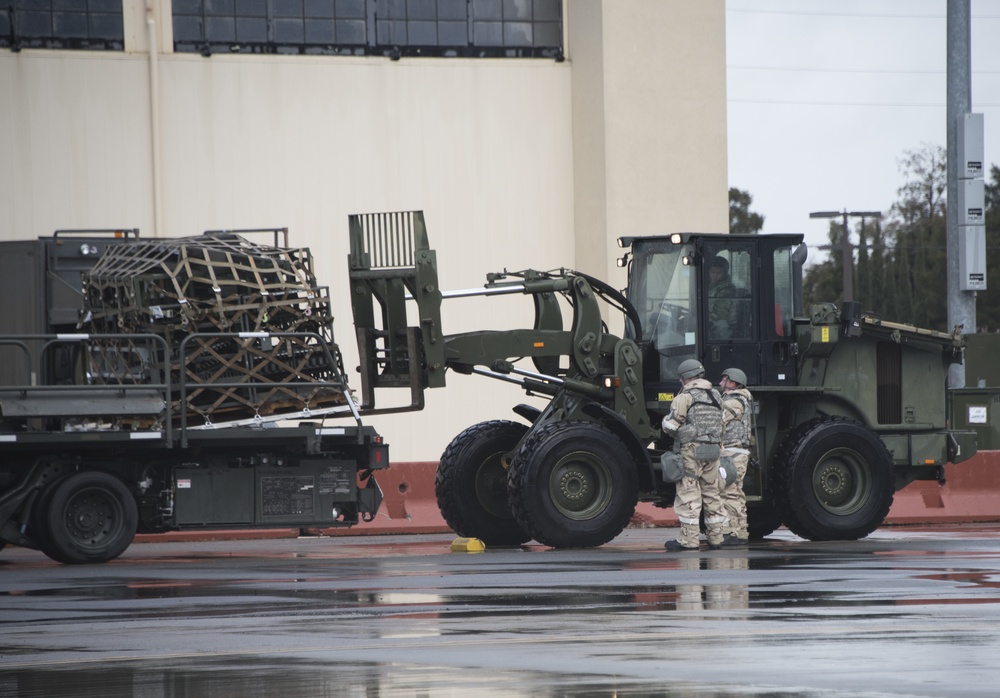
(249, 331)
(172, 384)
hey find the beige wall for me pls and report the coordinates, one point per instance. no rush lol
(649, 122)
(516, 163)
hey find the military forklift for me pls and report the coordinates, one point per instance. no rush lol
(848, 408)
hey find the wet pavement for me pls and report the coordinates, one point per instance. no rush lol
(905, 612)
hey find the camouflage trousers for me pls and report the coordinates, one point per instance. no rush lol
(734, 500)
(698, 490)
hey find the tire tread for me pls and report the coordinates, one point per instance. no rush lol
(794, 512)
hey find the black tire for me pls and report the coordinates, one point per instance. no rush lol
(763, 518)
(762, 521)
(89, 517)
(38, 525)
(833, 480)
(573, 485)
(471, 484)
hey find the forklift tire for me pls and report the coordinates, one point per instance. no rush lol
(89, 517)
(834, 480)
(471, 484)
(573, 485)
(762, 521)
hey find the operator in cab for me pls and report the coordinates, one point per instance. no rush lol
(695, 422)
(722, 304)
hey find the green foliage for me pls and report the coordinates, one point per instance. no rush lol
(824, 283)
(919, 228)
(741, 218)
(988, 301)
(901, 267)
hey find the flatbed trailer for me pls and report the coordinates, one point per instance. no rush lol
(107, 434)
(81, 496)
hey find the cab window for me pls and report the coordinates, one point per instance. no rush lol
(729, 293)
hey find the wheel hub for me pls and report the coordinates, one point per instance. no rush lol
(574, 486)
(835, 480)
(88, 520)
(841, 481)
(580, 486)
(88, 516)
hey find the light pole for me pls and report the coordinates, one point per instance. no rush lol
(846, 248)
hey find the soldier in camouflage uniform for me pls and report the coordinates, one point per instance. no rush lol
(695, 422)
(737, 406)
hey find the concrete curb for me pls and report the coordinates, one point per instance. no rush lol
(969, 493)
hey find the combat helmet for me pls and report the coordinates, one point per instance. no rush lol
(736, 376)
(690, 368)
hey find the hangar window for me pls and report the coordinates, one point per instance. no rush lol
(94, 25)
(393, 28)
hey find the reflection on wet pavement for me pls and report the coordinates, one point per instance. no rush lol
(895, 614)
(300, 678)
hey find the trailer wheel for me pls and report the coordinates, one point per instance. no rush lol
(471, 483)
(38, 525)
(89, 517)
(834, 480)
(573, 485)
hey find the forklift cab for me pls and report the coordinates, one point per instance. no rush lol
(726, 300)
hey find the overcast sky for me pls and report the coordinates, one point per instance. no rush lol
(827, 96)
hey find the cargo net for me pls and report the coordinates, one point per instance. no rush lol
(215, 283)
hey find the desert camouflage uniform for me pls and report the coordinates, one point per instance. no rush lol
(736, 432)
(696, 418)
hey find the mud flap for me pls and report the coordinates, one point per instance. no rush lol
(369, 499)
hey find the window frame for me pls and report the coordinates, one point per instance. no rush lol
(392, 28)
(22, 22)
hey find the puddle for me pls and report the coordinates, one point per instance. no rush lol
(253, 677)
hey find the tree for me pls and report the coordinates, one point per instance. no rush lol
(864, 292)
(741, 218)
(988, 301)
(878, 288)
(902, 279)
(924, 193)
(902, 274)
(823, 283)
(918, 224)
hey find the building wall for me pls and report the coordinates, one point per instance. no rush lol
(516, 163)
(649, 122)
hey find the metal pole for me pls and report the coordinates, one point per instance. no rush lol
(848, 252)
(961, 304)
(154, 118)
